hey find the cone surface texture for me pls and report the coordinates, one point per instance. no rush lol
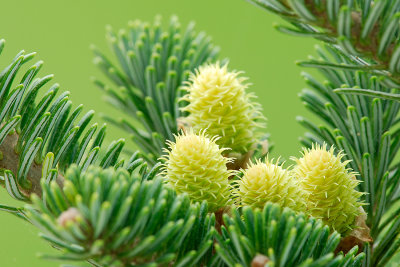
(195, 165)
(331, 187)
(218, 102)
(269, 182)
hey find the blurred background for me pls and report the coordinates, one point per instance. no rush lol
(62, 31)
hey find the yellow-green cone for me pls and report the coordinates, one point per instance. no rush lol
(269, 182)
(331, 186)
(195, 165)
(218, 102)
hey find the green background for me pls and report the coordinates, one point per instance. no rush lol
(62, 31)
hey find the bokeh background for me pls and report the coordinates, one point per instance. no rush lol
(62, 31)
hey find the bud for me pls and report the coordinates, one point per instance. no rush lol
(195, 165)
(269, 182)
(331, 186)
(70, 215)
(218, 102)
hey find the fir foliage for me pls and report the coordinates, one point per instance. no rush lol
(153, 64)
(285, 238)
(361, 51)
(120, 213)
(366, 30)
(33, 126)
(112, 218)
(365, 129)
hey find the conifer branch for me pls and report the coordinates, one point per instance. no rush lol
(113, 218)
(363, 128)
(40, 137)
(282, 237)
(153, 65)
(365, 30)
(111, 212)
(9, 161)
(362, 51)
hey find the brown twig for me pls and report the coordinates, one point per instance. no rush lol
(10, 161)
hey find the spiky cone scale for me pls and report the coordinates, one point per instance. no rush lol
(217, 101)
(264, 182)
(331, 187)
(194, 165)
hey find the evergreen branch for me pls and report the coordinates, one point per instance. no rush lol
(117, 219)
(279, 237)
(125, 216)
(152, 67)
(363, 29)
(15, 211)
(367, 92)
(41, 137)
(364, 128)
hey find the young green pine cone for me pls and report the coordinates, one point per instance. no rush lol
(195, 165)
(269, 182)
(331, 186)
(218, 102)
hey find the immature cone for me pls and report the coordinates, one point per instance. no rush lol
(268, 182)
(195, 165)
(331, 187)
(71, 215)
(218, 102)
